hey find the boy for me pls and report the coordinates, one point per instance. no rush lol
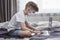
(19, 24)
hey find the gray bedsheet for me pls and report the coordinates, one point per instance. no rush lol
(54, 34)
(3, 24)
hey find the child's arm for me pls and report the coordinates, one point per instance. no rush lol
(23, 26)
(32, 28)
(29, 26)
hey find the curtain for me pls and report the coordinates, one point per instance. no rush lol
(7, 9)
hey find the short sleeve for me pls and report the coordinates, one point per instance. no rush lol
(20, 17)
(26, 19)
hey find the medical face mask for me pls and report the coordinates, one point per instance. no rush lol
(30, 14)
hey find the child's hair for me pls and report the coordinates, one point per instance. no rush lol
(33, 5)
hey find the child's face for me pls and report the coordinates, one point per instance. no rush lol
(30, 10)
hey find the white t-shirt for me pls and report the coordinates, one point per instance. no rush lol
(14, 23)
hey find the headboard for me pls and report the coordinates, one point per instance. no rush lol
(44, 17)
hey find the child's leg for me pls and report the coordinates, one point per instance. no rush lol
(25, 34)
(20, 33)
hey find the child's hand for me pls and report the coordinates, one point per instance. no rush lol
(37, 32)
(37, 29)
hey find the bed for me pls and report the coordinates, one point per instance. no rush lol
(40, 25)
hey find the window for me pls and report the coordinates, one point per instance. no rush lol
(45, 6)
(51, 6)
